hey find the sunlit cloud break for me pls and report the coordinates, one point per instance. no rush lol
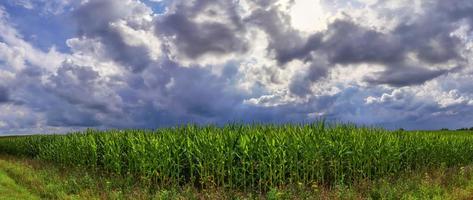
(67, 65)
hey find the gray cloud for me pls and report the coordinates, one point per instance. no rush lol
(348, 43)
(300, 86)
(461, 9)
(284, 41)
(94, 20)
(197, 39)
(194, 38)
(172, 95)
(4, 94)
(345, 42)
(111, 80)
(77, 85)
(430, 38)
(405, 76)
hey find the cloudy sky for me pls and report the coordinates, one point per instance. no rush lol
(70, 64)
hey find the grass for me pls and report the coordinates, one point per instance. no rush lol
(26, 178)
(42, 183)
(12, 191)
(250, 159)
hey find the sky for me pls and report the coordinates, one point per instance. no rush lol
(73, 64)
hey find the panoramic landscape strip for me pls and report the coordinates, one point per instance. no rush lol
(249, 158)
(236, 99)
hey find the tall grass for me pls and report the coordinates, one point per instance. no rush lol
(254, 157)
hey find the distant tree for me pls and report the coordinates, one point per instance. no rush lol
(462, 129)
(401, 129)
(471, 129)
(444, 129)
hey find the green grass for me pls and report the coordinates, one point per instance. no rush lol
(9, 190)
(34, 179)
(249, 158)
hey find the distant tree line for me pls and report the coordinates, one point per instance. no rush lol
(445, 129)
(460, 129)
(465, 129)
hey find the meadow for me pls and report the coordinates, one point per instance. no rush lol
(249, 157)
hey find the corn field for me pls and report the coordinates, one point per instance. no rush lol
(254, 157)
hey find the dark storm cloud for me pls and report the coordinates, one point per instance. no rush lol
(455, 10)
(4, 94)
(76, 85)
(213, 100)
(300, 85)
(71, 117)
(33, 95)
(403, 110)
(284, 41)
(345, 42)
(430, 37)
(94, 20)
(264, 3)
(178, 95)
(172, 94)
(197, 38)
(405, 76)
(348, 43)
(160, 92)
(74, 96)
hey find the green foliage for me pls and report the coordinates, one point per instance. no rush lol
(249, 157)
